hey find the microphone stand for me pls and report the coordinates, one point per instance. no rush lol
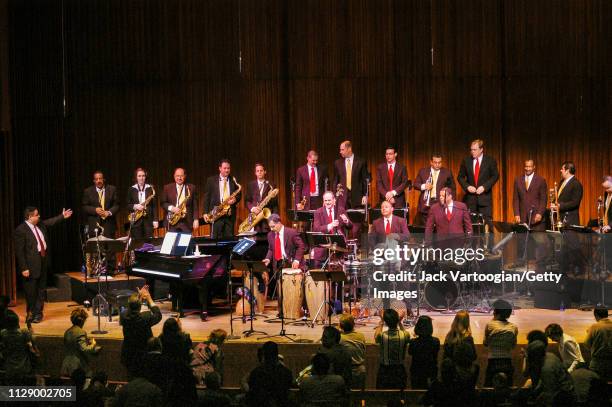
(99, 302)
(525, 249)
(282, 333)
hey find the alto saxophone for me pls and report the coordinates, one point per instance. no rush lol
(136, 215)
(174, 218)
(224, 208)
(249, 223)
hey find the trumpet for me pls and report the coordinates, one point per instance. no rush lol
(264, 213)
(427, 195)
(134, 216)
(555, 220)
(174, 218)
(224, 208)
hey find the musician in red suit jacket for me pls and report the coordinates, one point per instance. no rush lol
(438, 177)
(388, 226)
(392, 179)
(449, 218)
(310, 183)
(330, 219)
(172, 196)
(529, 201)
(477, 175)
(257, 191)
(283, 244)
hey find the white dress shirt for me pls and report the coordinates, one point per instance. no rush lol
(570, 352)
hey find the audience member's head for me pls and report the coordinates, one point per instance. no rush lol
(502, 310)
(78, 378)
(463, 355)
(423, 326)
(270, 353)
(217, 336)
(134, 303)
(78, 316)
(154, 344)
(331, 337)
(600, 313)
(537, 335)
(212, 381)
(12, 320)
(554, 332)
(347, 323)
(500, 381)
(320, 364)
(172, 327)
(391, 318)
(460, 328)
(536, 351)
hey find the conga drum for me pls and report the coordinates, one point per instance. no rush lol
(293, 293)
(315, 296)
(260, 298)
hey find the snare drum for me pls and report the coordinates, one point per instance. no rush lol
(315, 296)
(293, 293)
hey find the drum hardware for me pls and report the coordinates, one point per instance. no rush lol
(282, 333)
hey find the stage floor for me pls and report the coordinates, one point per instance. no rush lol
(57, 320)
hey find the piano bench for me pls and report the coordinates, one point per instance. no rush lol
(118, 300)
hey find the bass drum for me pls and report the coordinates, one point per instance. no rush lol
(293, 293)
(315, 296)
(441, 295)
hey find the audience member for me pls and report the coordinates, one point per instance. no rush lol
(213, 396)
(339, 357)
(392, 341)
(208, 356)
(176, 344)
(500, 337)
(78, 347)
(569, 350)
(137, 330)
(138, 392)
(441, 393)
(322, 388)
(97, 392)
(599, 341)
(270, 382)
(355, 343)
(424, 351)
(16, 348)
(550, 382)
(459, 332)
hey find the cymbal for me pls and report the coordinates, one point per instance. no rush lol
(335, 248)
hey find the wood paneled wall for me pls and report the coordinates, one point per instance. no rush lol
(115, 84)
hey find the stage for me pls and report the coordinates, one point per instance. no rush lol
(240, 354)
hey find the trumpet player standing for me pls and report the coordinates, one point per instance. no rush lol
(141, 205)
(220, 189)
(179, 200)
(392, 179)
(430, 180)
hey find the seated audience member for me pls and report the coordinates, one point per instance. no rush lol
(355, 343)
(16, 346)
(175, 343)
(97, 392)
(322, 388)
(590, 389)
(460, 331)
(537, 335)
(137, 330)
(208, 356)
(500, 337)
(338, 356)
(138, 392)
(599, 341)
(569, 350)
(270, 382)
(442, 391)
(78, 347)
(424, 351)
(213, 396)
(501, 394)
(550, 382)
(392, 344)
(157, 368)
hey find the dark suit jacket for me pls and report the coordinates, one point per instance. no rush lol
(294, 245)
(445, 179)
(169, 196)
(212, 195)
(524, 200)
(320, 223)
(569, 202)
(26, 246)
(400, 182)
(459, 224)
(253, 198)
(605, 197)
(302, 183)
(132, 199)
(359, 175)
(91, 201)
(398, 226)
(487, 177)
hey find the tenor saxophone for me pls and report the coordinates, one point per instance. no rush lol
(174, 218)
(224, 208)
(264, 213)
(136, 215)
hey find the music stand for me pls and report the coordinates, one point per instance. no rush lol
(356, 215)
(282, 333)
(303, 215)
(250, 266)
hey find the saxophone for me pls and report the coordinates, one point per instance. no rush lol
(224, 208)
(174, 218)
(264, 213)
(555, 221)
(134, 216)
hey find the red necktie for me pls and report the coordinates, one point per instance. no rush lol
(387, 227)
(278, 253)
(43, 251)
(476, 173)
(329, 216)
(390, 177)
(448, 214)
(313, 185)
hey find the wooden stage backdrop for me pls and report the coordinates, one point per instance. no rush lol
(116, 84)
